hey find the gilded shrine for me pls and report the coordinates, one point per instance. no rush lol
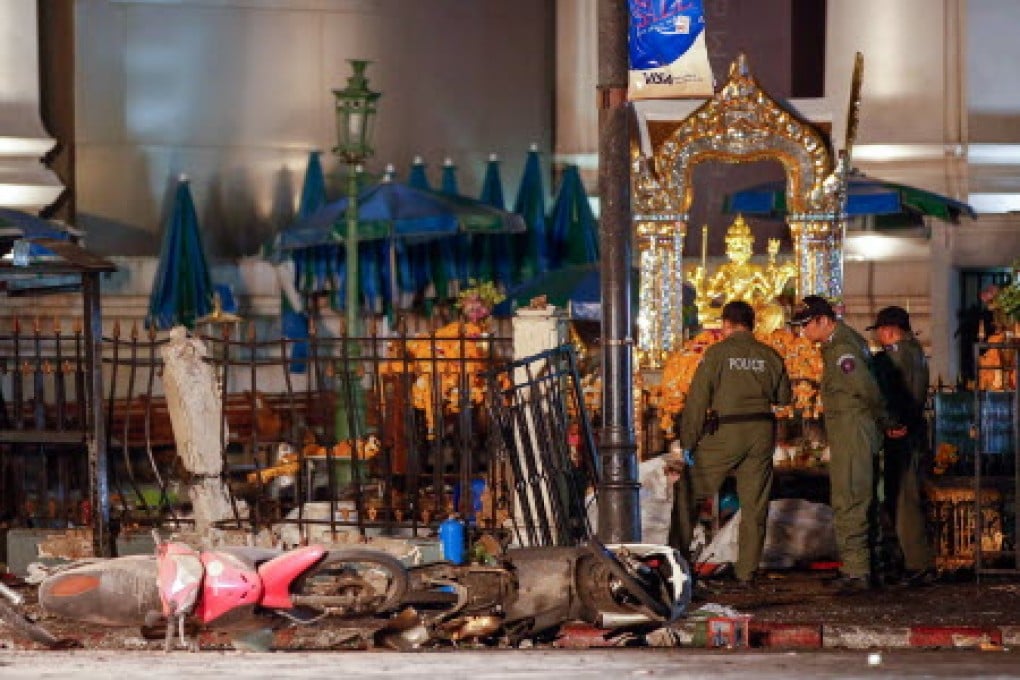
(739, 279)
(740, 124)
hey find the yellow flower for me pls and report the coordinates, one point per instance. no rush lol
(455, 352)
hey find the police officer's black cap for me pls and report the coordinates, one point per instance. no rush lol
(891, 316)
(811, 307)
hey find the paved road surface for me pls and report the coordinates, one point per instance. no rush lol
(479, 665)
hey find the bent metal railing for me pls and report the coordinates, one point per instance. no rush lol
(373, 435)
(546, 439)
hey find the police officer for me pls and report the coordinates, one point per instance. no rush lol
(729, 425)
(855, 417)
(902, 370)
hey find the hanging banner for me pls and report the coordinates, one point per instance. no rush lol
(668, 57)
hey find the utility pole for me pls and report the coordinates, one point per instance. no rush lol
(619, 512)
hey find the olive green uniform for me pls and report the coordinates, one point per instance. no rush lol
(739, 378)
(854, 419)
(903, 376)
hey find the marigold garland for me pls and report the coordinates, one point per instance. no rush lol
(454, 353)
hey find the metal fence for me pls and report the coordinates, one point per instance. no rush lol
(370, 434)
(44, 424)
(545, 435)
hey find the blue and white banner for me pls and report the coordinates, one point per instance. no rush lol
(668, 57)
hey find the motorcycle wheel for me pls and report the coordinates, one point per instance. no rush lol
(652, 602)
(354, 582)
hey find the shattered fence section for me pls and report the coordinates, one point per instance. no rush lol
(376, 435)
(546, 437)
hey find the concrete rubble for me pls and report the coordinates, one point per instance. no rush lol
(193, 399)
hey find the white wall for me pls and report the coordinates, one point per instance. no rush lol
(993, 88)
(904, 87)
(236, 92)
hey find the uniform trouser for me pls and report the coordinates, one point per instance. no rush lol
(746, 450)
(903, 500)
(854, 442)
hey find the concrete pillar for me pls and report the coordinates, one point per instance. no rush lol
(534, 331)
(25, 183)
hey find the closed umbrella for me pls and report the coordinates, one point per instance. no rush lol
(293, 320)
(420, 255)
(492, 256)
(182, 290)
(531, 246)
(462, 242)
(573, 229)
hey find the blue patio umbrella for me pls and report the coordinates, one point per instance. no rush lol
(531, 246)
(395, 212)
(420, 255)
(573, 229)
(460, 248)
(899, 204)
(313, 189)
(490, 255)
(182, 290)
(442, 254)
(294, 323)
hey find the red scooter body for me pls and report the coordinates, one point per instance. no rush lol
(280, 572)
(230, 587)
(236, 588)
(218, 586)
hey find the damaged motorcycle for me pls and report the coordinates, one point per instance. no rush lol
(533, 591)
(233, 588)
(523, 593)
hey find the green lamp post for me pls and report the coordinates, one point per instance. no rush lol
(355, 113)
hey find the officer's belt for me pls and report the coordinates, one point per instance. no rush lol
(746, 418)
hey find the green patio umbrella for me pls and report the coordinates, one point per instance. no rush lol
(573, 229)
(531, 247)
(182, 290)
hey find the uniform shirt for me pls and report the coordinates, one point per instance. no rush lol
(848, 386)
(737, 375)
(903, 377)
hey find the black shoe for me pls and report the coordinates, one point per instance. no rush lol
(701, 593)
(850, 585)
(919, 578)
(749, 583)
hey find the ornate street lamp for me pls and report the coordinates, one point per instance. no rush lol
(355, 113)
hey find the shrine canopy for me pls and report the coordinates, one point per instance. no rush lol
(865, 196)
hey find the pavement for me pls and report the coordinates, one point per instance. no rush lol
(496, 664)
